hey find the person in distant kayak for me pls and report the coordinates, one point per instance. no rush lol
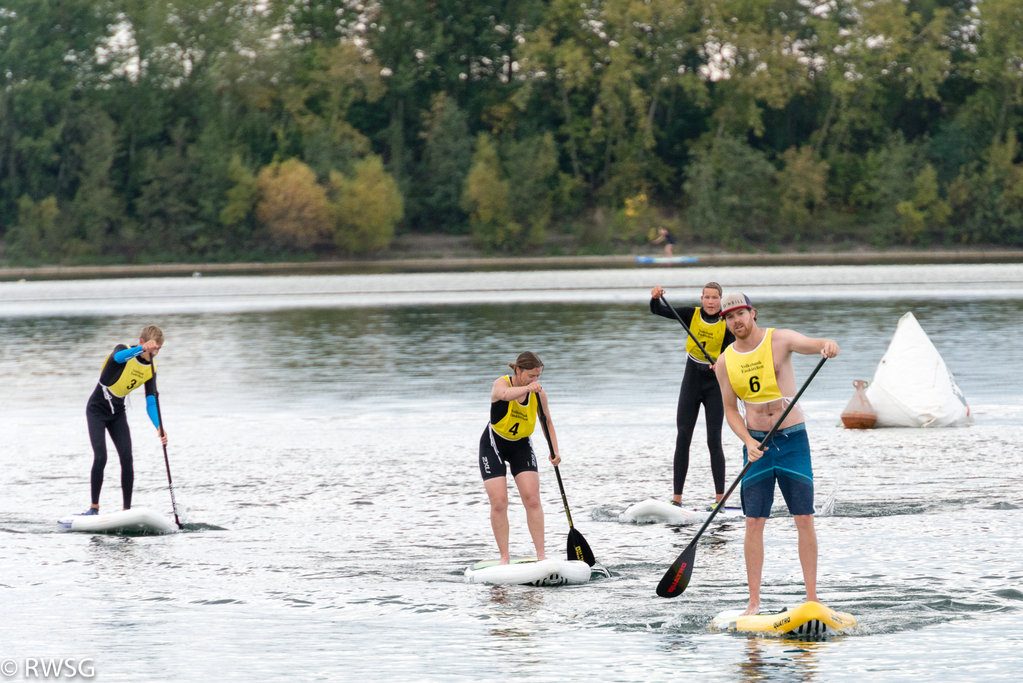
(757, 369)
(664, 237)
(125, 370)
(513, 416)
(699, 384)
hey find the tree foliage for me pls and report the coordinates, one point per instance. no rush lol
(203, 129)
(368, 207)
(486, 199)
(292, 207)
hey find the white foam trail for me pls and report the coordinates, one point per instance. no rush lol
(827, 508)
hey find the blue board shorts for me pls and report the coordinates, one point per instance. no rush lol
(787, 461)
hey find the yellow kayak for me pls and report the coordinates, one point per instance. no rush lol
(809, 619)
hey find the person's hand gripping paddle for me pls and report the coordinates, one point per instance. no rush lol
(686, 328)
(676, 579)
(578, 548)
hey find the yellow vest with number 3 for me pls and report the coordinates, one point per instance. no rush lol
(135, 375)
(520, 420)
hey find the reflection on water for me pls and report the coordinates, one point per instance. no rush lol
(325, 458)
(770, 659)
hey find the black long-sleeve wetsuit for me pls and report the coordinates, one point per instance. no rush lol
(105, 413)
(699, 385)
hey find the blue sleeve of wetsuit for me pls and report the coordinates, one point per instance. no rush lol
(151, 409)
(124, 355)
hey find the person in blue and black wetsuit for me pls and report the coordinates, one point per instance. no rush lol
(125, 370)
(699, 384)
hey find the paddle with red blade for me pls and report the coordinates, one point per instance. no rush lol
(578, 548)
(676, 579)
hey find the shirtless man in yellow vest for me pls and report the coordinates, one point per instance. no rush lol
(757, 368)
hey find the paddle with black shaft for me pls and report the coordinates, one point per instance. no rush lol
(166, 460)
(578, 548)
(676, 579)
(686, 328)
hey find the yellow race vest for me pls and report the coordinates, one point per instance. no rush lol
(135, 375)
(520, 420)
(752, 373)
(711, 335)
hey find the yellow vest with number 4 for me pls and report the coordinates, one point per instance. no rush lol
(520, 420)
(752, 373)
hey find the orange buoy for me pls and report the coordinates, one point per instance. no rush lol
(858, 413)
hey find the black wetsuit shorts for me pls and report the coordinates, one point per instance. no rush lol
(496, 450)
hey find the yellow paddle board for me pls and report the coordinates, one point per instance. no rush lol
(809, 619)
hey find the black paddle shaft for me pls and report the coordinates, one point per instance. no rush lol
(166, 459)
(578, 548)
(686, 328)
(550, 445)
(676, 579)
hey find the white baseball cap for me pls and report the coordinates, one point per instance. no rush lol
(734, 300)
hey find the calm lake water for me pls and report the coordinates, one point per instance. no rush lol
(323, 442)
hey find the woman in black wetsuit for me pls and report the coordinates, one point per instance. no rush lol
(699, 384)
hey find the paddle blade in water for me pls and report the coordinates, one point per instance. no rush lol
(676, 579)
(578, 548)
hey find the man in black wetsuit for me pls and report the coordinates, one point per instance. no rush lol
(125, 370)
(699, 384)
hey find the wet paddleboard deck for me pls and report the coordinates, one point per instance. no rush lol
(529, 572)
(133, 521)
(809, 619)
(651, 511)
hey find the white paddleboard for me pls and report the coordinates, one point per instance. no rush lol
(651, 511)
(529, 572)
(133, 521)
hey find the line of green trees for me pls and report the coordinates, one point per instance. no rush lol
(200, 129)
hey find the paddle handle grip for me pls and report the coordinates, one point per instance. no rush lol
(686, 328)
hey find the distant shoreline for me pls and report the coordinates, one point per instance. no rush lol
(454, 264)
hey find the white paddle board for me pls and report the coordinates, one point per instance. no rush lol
(529, 572)
(133, 521)
(650, 511)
